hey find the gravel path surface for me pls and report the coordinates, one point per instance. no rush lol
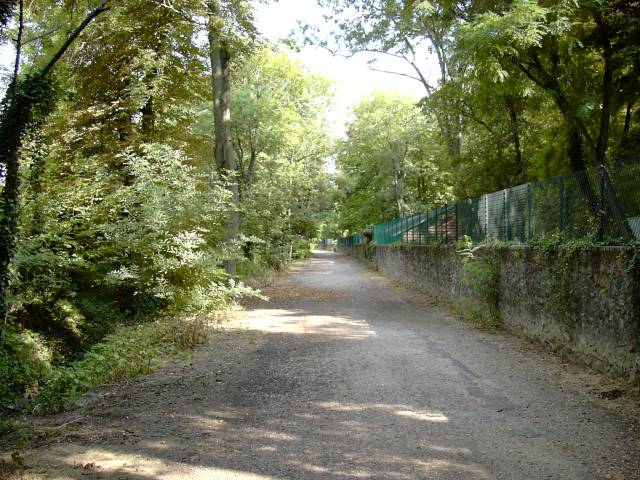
(343, 376)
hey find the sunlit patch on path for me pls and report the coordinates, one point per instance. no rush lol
(288, 292)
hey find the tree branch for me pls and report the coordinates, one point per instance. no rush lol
(391, 72)
(79, 29)
(185, 17)
(412, 62)
(550, 84)
(42, 35)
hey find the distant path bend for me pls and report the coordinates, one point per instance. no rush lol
(342, 376)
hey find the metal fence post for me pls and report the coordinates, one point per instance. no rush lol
(436, 218)
(505, 226)
(446, 223)
(456, 214)
(405, 228)
(426, 227)
(529, 212)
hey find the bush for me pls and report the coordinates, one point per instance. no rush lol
(25, 359)
(480, 276)
(302, 248)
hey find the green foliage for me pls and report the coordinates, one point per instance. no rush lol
(388, 163)
(525, 90)
(633, 265)
(369, 249)
(302, 248)
(122, 211)
(128, 249)
(480, 275)
(281, 141)
(27, 362)
(25, 359)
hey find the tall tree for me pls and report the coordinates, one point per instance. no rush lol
(224, 42)
(409, 31)
(281, 139)
(387, 163)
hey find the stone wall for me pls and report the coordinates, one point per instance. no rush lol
(583, 303)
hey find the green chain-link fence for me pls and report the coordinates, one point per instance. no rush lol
(600, 203)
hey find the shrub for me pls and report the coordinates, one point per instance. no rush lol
(480, 276)
(25, 359)
(301, 248)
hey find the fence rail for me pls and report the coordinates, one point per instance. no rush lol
(600, 203)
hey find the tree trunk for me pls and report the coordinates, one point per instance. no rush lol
(396, 187)
(15, 118)
(253, 157)
(607, 93)
(576, 157)
(219, 56)
(457, 141)
(536, 72)
(576, 164)
(148, 119)
(627, 117)
(35, 189)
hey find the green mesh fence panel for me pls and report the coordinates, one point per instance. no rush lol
(601, 203)
(623, 191)
(353, 240)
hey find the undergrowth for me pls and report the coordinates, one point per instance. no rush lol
(480, 276)
(31, 381)
(129, 351)
(260, 268)
(126, 353)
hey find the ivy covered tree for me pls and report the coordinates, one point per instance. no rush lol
(27, 102)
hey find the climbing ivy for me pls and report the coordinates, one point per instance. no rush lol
(560, 254)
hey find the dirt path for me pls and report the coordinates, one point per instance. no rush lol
(341, 376)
